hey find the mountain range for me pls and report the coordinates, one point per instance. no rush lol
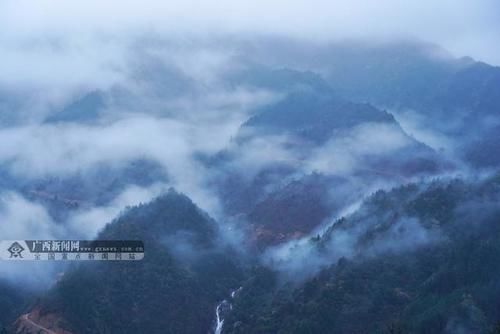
(357, 193)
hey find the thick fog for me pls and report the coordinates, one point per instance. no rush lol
(462, 26)
(166, 73)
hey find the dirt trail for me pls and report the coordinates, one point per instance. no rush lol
(25, 318)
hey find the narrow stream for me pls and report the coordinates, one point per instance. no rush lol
(222, 308)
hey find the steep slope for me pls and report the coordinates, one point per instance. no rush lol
(318, 133)
(418, 259)
(186, 270)
(294, 210)
(457, 97)
(314, 116)
(13, 299)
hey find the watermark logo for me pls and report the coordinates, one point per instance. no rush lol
(72, 250)
(15, 250)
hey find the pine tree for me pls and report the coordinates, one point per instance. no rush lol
(496, 328)
(394, 328)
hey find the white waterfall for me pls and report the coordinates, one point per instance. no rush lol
(220, 309)
(219, 319)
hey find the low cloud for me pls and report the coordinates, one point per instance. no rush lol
(40, 151)
(21, 219)
(163, 68)
(87, 223)
(259, 153)
(345, 152)
(418, 127)
(302, 259)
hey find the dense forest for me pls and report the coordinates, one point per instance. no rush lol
(279, 185)
(449, 283)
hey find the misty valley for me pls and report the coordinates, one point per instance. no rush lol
(279, 185)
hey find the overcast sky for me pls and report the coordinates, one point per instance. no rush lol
(464, 27)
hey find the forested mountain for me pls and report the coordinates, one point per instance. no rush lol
(13, 300)
(422, 258)
(344, 187)
(458, 97)
(314, 116)
(186, 271)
